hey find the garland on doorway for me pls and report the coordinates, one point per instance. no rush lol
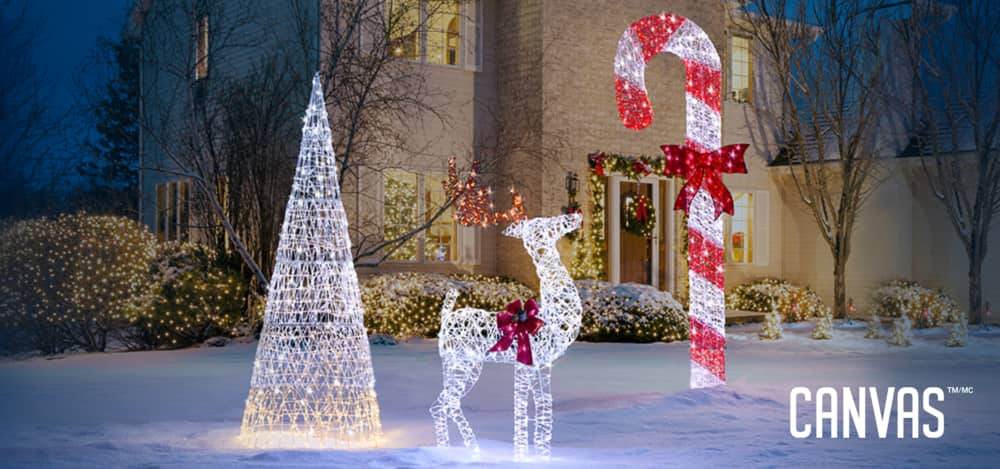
(590, 246)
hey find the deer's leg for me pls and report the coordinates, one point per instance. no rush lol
(542, 397)
(439, 411)
(462, 377)
(523, 376)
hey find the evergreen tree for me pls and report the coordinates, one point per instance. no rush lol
(111, 163)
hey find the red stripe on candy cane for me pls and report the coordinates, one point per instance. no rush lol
(708, 348)
(653, 32)
(706, 258)
(705, 84)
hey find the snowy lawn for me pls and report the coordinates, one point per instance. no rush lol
(616, 405)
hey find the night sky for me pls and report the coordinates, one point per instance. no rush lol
(68, 32)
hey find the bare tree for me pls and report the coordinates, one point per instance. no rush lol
(25, 126)
(824, 106)
(229, 132)
(955, 73)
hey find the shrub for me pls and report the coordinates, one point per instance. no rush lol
(409, 304)
(194, 298)
(924, 307)
(763, 295)
(630, 312)
(72, 280)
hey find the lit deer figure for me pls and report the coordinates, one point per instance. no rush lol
(467, 334)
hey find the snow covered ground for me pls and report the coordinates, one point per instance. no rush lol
(616, 405)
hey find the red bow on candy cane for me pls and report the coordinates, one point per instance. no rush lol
(704, 170)
(518, 323)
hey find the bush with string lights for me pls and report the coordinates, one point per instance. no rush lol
(71, 281)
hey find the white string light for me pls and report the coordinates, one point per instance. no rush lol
(467, 333)
(313, 384)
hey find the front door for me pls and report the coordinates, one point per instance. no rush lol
(633, 258)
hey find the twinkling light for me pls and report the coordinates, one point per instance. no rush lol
(467, 334)
(313, 384)
(474, 206)
(701, 196)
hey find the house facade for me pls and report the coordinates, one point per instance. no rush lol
(541, 72)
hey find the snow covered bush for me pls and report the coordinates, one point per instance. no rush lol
(409, 304)
(902, 332)
(958, 333)
(763, 295)
(824, 327)
(772, 326)
(630, 312)
(72, 280)
(873, 330)
(194, 297)
(924, 307)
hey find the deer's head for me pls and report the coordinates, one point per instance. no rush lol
(541, 234)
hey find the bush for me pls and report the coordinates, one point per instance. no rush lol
(194, 298)
(630, 312)
(71, 281)
(409, 304)
(763, 295)
(924, 307)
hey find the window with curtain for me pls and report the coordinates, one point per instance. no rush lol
(173, 211)
(740, 70)
(411, 199)
(399, 212)
(440, 243)
(739, 236)
(426, 30)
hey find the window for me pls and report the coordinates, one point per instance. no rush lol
(740, 70)
(201, 48)
(410, 200)
(740, 234)
(426, 30)
(172, 211)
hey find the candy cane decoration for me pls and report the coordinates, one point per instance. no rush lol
(701, 162)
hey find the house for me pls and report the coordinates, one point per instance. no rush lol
(546, 66)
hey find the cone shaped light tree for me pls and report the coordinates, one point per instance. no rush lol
(313, 384)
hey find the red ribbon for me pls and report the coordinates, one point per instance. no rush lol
(518, 323)
(704, 171)
(641, 167)
(640, 211)
(598, 160)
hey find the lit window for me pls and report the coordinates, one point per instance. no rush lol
(410, 200)
(740, 233)
(740, 68)
(440, 243)
(201, 49)
(425, 30)
(172, 211)
(399, 212)
(442, 32)
(404, 27)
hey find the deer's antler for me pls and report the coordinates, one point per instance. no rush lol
(474, 206)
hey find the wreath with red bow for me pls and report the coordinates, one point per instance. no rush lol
(638, 215)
